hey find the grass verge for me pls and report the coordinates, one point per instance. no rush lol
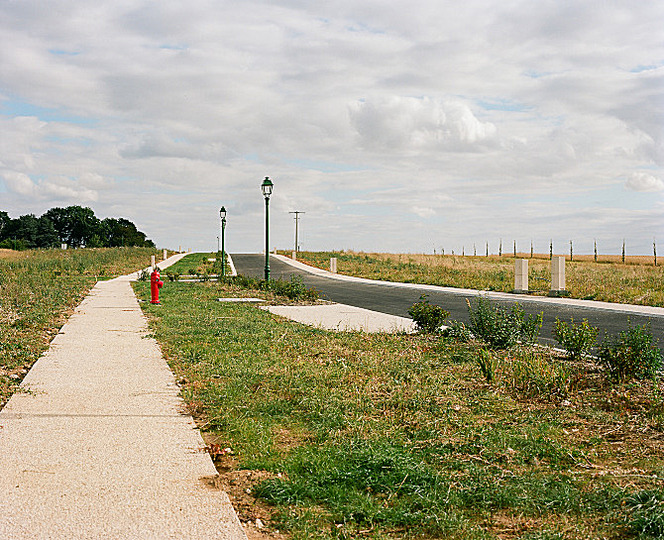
(638, 282)
(38, 288)
(355, 435)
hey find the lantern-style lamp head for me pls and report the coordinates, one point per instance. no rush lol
(222, 212)
(266, 187)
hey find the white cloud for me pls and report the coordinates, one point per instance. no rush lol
(404, 123)
(19, 183)
(58, 189)
(443, 112)
(641, 181)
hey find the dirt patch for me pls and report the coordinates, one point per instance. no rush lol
(9, 254)
(255, 515)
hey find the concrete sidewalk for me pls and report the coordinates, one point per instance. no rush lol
(342, 317)
(98, 445)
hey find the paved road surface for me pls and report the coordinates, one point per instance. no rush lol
(395, 300)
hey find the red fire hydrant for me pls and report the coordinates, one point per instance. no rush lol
(155, 285)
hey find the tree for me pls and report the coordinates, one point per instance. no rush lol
(47, 237)
(75, 225)
(122, 232)
(4, 220)
(34, 232)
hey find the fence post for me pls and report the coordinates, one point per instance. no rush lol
(333, 265)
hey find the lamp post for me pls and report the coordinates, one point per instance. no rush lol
(266, 188)
(222, 215)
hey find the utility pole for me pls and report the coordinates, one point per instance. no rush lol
(297, 219)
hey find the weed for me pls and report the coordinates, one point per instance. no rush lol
(502, 328)
(489, 364)
(534, 375)
(646, 513)
(631, 354)
(458, 331)
(576, 339)
(428, 317)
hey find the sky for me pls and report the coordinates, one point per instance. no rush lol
(403, 126)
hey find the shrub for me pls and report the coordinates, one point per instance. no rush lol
(244, 282)
(576, 339)
(631, 354)
(294, 289)
(503, 328)
(172, 276)
(428, 317)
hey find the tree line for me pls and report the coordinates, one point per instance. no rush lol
(76, 226)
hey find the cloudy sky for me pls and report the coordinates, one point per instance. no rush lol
(400, 125)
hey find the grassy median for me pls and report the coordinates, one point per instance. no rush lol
(356, 435)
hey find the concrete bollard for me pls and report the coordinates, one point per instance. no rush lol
(333, 265)
(294, 255)
(165, 254)
(152, 261)
(520, 276)
(558, 277)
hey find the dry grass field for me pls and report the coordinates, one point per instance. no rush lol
(637, 281)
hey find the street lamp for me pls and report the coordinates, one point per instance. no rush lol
(222, 215)
(266, 188)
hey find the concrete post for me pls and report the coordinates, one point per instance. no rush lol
(294, 255)
(333, 265)
(152, 261)
(165, 254)
(558, 277)
(521, 276)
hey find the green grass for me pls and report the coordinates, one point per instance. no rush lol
(636, 283)
(37, 290)
(400, 436)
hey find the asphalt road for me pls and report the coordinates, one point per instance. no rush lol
(386, 298)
